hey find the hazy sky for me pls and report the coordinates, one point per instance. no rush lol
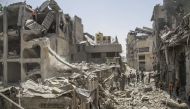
(111, 17)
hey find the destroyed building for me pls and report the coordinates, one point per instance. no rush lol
(27, 33)
(171, 42)
(139, 49)
(104, 50)
(53, 60)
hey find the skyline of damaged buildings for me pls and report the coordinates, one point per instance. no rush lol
(25, 38)
(47, 54)
(168, 44)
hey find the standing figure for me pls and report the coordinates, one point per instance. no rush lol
(160, 84)
(149, 77)
(137, 75)
(129, 78)
(122, 82)
(171, 88)
(142, 76)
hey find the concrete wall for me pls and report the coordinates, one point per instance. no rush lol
(145, 43)
(81, 53)
(133, 52)
(104, 48)
(97, 60)
(78, 29)
(149, 61)
(63, 48)
(44, 103)
(148, 55)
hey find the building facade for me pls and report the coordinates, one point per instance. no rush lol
(171, 50)
(98, 49)
(139, 49)
(26, 34)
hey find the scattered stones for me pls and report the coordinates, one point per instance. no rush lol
(144, 98)
(148, 89)
(144, 107)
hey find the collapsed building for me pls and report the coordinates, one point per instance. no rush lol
(139, 49)
(171, 42)
(27, 36)
(104, 50)
(47, 52)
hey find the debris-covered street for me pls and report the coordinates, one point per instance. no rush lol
(64, 54)
(146, 96)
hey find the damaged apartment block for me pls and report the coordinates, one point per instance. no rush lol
(53, 60)
(139, 48)
(26, 35)
(171, 40)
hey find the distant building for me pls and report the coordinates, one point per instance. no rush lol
(99, 49)
(139, 49)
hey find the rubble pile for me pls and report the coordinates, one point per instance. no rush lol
(89, 86)
(145, 96)
(173, 37)
(137, 98)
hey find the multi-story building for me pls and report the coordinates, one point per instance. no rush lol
(171, 26)
(139, 49)
(99, 49)
(26, 34)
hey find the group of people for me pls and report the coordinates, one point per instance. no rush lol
(131, 78)
(140, 76)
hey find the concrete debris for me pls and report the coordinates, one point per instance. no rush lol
(148, 89)
(144, 98)
(55, 65)
(175, 105)
(144, 107)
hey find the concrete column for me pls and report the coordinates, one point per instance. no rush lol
(23, 73)
(5, 46)
(42, 63)
(57, 30)
(166, 55)
(21, 16)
